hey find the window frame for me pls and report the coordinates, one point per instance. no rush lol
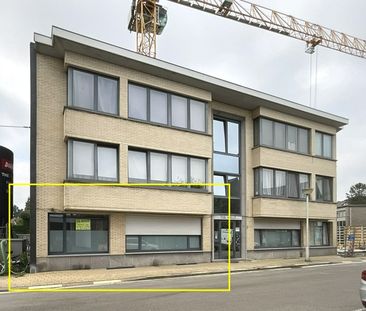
(169, 168)
(323, 178)
(312, 227)
(141, 236)
(273, 247)
(169, 108)
(70, 90)
(322, 135)
(69, 164)
(258, 173)
(64, 230)
(258, 135)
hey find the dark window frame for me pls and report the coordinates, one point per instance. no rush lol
(169, 167)
(257, 123)
(328, 233)
(75, 216)
(69, 166)
(140, 237)
(323, 178)
(258, 173)
(70, 89)
(169, 108)
(225, 121)
(322, 135)
(270, 247)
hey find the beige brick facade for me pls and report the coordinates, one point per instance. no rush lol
(57, 124)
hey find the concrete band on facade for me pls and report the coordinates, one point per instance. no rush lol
(109, 216)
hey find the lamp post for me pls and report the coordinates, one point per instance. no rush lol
(307, 192)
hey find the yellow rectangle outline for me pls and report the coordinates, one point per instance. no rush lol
(116, 290)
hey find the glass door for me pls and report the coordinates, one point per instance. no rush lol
(221, 238)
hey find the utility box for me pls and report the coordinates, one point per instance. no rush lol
(6, 177)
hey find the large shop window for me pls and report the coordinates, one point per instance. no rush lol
(165, 108)
(162, 233)
(319, 233)
(324, 145)
(77, 234)
(93, 92)
(324, 188)
(154, 166)
(280, 135)
(92, 161)
(278, 183)
(226, 164)
(276, 238)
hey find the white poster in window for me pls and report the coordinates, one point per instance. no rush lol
(225, 236)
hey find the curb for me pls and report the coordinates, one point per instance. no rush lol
(112, 282)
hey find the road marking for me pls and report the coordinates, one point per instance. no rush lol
(281, 269)
(45, 286)
(107, 282)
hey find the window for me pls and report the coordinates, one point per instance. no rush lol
(221, 195)
(276, 238)
(137, 165)
(158, 107)
(197, 115)
(323, 145)
(179, 169)
(158, 167)
(324, 188)
(164, 108)
(226, 146)
(91, 161)
(137, 99)
(280, 135)
(93, 92)
(179, 111)
(153, 243)
(77, 234)
(226, 159)
(319, 233)
(161, 167)
(278, 183)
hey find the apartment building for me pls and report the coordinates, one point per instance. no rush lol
(106, 116)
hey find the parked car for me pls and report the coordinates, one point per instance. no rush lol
(363, 288)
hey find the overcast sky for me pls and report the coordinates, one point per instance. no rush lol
(216, 46)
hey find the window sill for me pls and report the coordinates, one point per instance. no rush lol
(278, 248)
(78, 255)
(89, 181)
(162, 252)
(169, 188)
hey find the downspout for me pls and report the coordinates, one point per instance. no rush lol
(3, 247)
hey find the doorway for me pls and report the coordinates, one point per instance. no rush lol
(221, 236)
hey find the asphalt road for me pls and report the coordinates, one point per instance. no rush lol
(333, 287)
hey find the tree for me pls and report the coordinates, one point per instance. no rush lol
(357, 194)
(23, 217)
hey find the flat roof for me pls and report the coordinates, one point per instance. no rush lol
(62, 40)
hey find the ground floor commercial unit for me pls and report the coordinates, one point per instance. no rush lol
(139, 154)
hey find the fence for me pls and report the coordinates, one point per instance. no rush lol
(351, 237)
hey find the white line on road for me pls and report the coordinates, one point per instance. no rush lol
(107, 282)
(45, 286)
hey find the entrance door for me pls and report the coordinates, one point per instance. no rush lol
(221, 235)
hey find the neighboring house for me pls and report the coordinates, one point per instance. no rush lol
(351, 214)
(103, 114)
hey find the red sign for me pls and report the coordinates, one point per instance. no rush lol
(6, 165)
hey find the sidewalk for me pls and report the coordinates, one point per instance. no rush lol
(110, 276)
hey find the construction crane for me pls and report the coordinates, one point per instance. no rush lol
(148, 19)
